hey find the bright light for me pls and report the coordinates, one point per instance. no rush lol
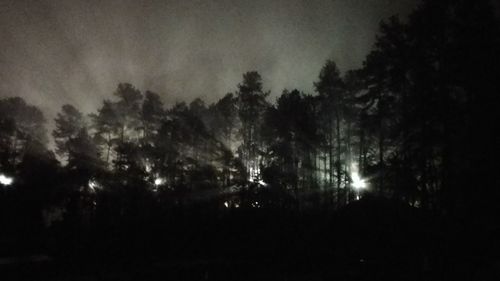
(159, 181)
(261, 182)
(253, 173)
(357, 182)
(93, 185)
(5, 180)
(226, 204)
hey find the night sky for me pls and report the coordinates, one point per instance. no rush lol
(55, 52)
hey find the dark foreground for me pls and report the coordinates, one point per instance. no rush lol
(367, 240)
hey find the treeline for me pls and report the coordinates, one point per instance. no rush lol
(415, 122)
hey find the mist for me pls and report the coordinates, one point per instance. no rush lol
(57, 52)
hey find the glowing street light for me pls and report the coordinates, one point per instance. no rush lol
(5, 180)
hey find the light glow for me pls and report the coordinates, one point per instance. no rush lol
(253, 173)
(5, 180)
(93, 185)
(159, 181)
(357, 182)
(148, 168)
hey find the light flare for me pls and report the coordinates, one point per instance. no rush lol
(358, 183)
(6, 180)
(159, 181)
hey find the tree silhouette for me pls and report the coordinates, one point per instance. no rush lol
(22, 129)
(69, 122)
(105, 123)
(291, 135)
(251, 107)
(331, 89)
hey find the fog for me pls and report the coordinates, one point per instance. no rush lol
(56, 52)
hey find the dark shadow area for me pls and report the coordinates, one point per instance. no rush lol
(369, 239)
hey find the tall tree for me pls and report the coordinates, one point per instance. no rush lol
(152, 116)
(251, 107)
(128, 110)
(106, 123)
(69, 122)
(83, 153)
(330, 87)
(22, 128)
(223, 122)
(291, 137)
(152, 113)
(118, 123)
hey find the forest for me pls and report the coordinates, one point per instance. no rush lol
(416, 124)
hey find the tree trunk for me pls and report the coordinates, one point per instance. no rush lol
(108, 149)
(338, 166)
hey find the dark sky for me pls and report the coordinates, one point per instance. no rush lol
(54, 52)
